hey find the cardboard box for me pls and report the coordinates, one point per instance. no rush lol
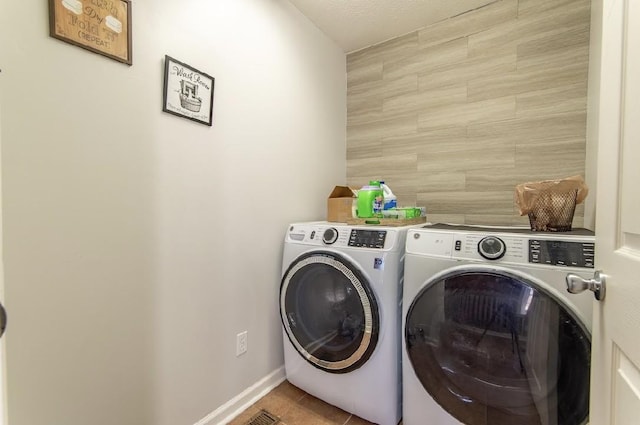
(340, 204)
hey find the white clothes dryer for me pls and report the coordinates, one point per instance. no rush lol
(490, 334)
(340, 302)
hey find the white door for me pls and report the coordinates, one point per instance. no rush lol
(615, 376)
(3, 400)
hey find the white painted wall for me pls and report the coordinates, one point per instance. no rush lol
(138, 244)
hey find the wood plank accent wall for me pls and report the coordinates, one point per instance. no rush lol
(454, 115)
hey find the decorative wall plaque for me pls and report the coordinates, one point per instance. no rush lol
(102, 26)
(188, 92)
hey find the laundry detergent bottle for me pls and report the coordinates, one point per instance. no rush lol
(370, 200)
(390, 200)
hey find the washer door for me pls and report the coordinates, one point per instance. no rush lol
(495, 349)
(329, 312)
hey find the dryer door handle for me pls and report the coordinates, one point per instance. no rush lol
(3, 319)
(576, 284)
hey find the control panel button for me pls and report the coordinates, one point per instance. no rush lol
(492, 248)
(330, 236)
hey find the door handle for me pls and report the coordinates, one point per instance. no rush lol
(3, 320)
(576, 284)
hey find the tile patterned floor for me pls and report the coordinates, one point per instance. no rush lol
(295, 407)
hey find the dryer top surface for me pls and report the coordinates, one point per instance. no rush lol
(523, 230)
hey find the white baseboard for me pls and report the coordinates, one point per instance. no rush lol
(228, 411)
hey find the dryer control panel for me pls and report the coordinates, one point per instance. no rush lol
(506, 246)
(561, 253)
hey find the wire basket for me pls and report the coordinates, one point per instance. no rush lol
(553, 212)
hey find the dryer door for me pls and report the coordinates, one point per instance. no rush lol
(329, 312)
(493, 348)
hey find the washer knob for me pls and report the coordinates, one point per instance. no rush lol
(491, 248)
(330, 236)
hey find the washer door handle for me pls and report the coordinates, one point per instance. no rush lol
(576, 284)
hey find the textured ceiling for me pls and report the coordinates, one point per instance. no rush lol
(356, 24)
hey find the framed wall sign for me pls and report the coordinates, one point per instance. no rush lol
(101, 26)
(188, 92)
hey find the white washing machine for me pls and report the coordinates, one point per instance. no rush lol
(340, 302)
(490, 334)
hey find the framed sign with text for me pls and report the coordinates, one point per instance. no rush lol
(101, 26)
(188, 92)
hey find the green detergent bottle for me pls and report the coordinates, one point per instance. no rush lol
(370, 200)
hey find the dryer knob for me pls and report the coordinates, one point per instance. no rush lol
(492, 248)
(330, 236)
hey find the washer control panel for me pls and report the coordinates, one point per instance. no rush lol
(367, 238)
(340, 236)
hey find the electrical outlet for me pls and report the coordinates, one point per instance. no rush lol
(241, 343)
